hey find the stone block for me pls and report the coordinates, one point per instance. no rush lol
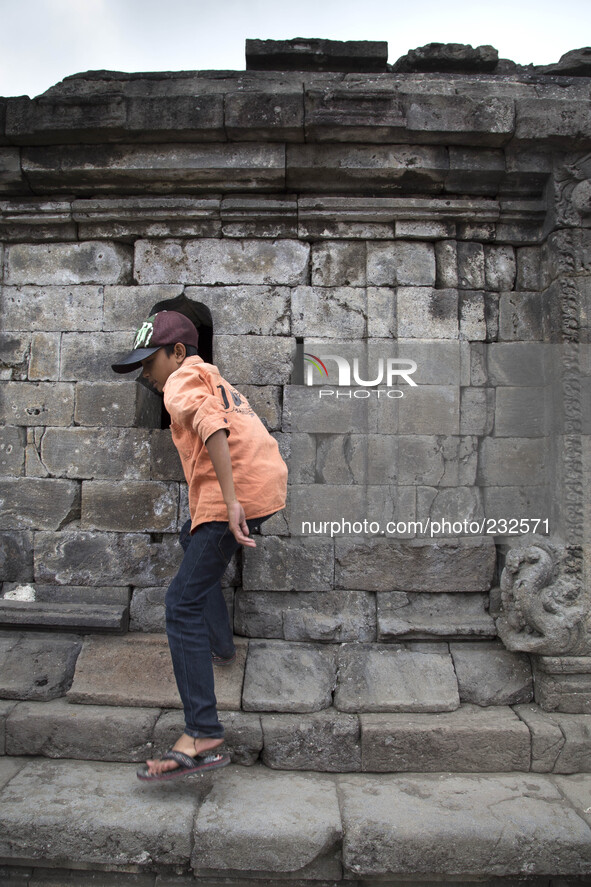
(404, 615)
(390, 169)
(488, 674)
(121, 454)
(472, 315)
(44, 359)
(475, 171)
(67, 263)
(335, 312)
(5, 709)
(36, 666)
(518, 503)
(400, 263)
(255, 360)
(266, 401)
(350, 509)
(382, 678)
(463, 119)
(292, 827)
(243, 737)
(439, 360)
(125, 307)
(136, 670)
(427, 459)
(560, 742)
(129, 830)
(16, 556)
(446, 257)
(165, 463)
(75, 594)
(37, 403)
(331, 616)
(119, 404)
(522, 413)
(316, 55)
(38, 503)
(289, 677)
(471, 274)
(176, 117)
(88, 356)
(522, 364)
(125, 506)
(15, 349)
(381, 312)
(498, 826)
(529, 268)
(222, 262)
(425, 313)
(521, 317)
(90, 558)
(46, 308)
(9, 767)
(325, 740)
(430, 409)
(58, 729)
(499, 268)
(468, 740)
(555, 121)
(245, 310)
(511, 461)
(12, 180)
(264, 116)
(336, 263)
(259, 216)
(477, 411)
(562, 684)
(279, 564)
(444, 565)
(67, 616)
(161, 169)
(305, 411)
(12, 451)
(424, 230)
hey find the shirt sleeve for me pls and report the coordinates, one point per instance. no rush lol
(193, 404)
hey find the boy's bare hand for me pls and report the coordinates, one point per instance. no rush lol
(238, 525)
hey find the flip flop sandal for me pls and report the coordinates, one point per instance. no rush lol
(186, 765)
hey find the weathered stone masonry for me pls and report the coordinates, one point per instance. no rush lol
(438, 211)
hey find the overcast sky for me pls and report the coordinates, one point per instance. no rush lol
(42, 41)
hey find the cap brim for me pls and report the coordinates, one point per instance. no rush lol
(133, 361)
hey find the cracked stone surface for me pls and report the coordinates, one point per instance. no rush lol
(95, 814)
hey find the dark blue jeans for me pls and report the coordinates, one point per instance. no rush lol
(197, 621)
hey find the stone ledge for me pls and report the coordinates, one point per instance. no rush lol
(264, 825)
(63, 615)
(468, 740)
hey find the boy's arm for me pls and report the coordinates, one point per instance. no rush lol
(219, 453)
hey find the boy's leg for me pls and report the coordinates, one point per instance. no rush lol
(207, 555)
(221, 636)
(187, 628)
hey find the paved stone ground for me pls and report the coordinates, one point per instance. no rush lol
(264, 825)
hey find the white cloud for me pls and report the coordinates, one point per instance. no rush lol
(43, 41)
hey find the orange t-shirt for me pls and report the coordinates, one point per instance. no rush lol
(200, 401)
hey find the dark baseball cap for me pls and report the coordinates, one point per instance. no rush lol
(163, 328)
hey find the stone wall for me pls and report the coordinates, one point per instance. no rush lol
(441, 218)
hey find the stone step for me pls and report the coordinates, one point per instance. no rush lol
(66, 616)
(267, 826)
(469, 740)
(284, 676)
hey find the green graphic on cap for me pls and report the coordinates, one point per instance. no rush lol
(143, 337)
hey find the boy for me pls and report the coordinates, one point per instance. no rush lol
(236, 480)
